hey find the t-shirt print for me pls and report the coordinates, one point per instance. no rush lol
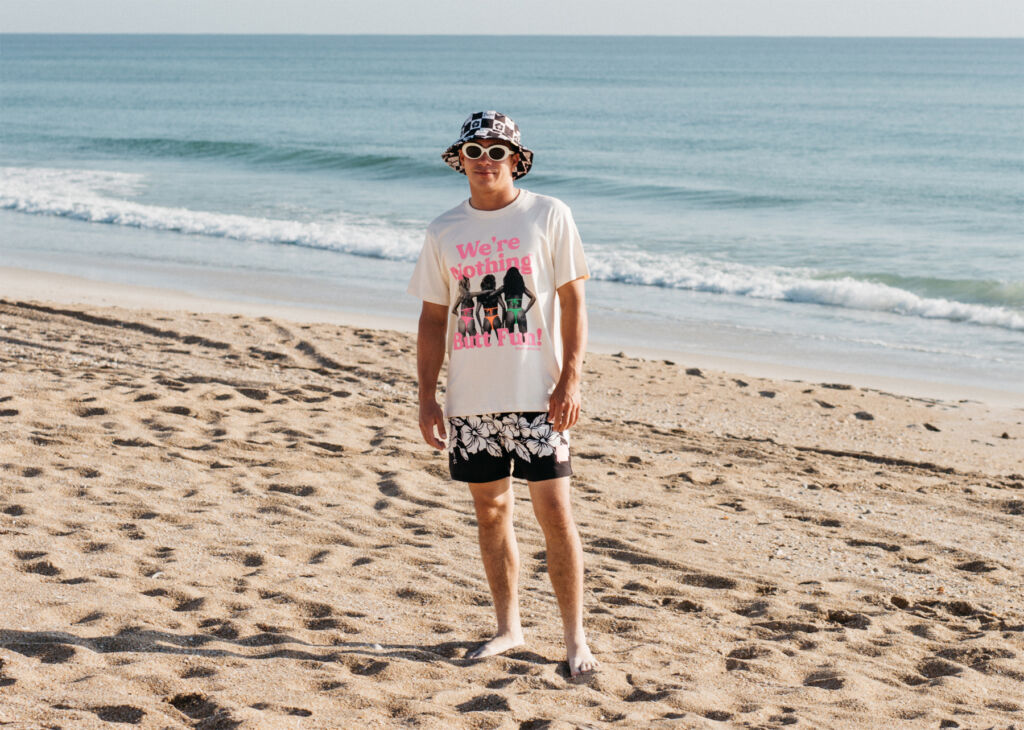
(493, 311)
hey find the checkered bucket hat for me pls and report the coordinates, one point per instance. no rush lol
(490, 125)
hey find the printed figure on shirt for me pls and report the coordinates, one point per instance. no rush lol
(514, 289)
(463, 308)
(490, 308)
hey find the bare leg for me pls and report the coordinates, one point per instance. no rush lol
(500, 553)
(552, 505)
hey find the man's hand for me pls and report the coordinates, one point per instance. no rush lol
(564, 403)
(431, 416)
(564, 406)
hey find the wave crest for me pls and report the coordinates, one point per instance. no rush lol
(293, 157)
(719, 277)
(77, 194)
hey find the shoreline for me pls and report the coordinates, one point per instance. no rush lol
(63, 289)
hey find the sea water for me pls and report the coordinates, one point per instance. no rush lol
(849, 204)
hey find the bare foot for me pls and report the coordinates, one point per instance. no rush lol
(497, 645)
(581, 662)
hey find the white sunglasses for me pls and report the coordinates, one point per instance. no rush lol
(496, 152)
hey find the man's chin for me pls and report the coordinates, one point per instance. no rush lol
(488, 182)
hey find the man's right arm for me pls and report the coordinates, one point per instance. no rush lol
(430, 349)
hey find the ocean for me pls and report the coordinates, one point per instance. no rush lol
(855, 205)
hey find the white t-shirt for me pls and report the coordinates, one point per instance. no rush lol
(497, 272)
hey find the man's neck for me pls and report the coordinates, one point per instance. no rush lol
(493, 200)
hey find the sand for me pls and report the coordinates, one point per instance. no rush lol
(217, 520)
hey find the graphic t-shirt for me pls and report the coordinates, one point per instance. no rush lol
(497, 272)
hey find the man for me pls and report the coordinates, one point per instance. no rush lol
(514, 376)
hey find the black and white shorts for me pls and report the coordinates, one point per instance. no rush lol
(488, 447)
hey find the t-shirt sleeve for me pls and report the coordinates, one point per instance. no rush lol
(567, 248)
(429, 281)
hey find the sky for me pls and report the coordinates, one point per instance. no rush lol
(917, 18)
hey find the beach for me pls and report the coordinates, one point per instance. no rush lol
(216, 515)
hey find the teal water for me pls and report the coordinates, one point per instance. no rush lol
(845, 203)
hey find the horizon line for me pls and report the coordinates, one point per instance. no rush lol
(513, 35)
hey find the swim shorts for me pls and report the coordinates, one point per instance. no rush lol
(488, 447)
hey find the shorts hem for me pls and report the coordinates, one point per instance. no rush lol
(461, 477)
(557, 473)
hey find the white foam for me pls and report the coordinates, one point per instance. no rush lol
(100, 197)
(79, 194)
(685, 272)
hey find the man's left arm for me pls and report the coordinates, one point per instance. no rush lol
(564, 404)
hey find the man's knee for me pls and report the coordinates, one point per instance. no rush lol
(492, 515)
(493, 503)
(552, 503)
(554, 515)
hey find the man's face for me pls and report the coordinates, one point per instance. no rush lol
(486, 174)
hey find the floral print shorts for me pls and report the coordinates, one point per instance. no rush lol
(488, 447)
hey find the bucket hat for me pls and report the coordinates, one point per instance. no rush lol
(490, 125)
